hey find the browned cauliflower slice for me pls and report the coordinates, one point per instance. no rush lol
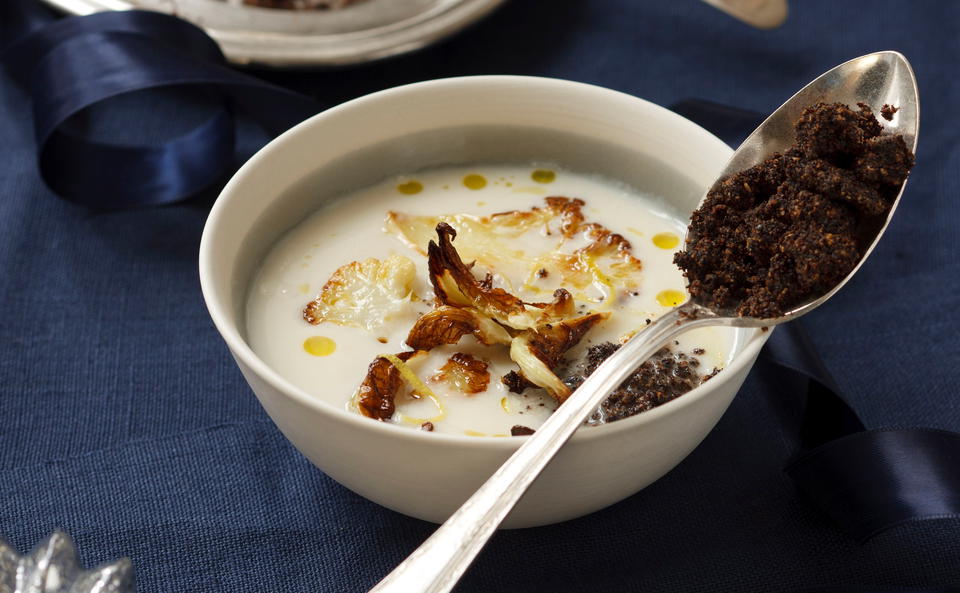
(464, 373)
(454, 284)
(446, 325)
(364, 294)
(375, 399)
(540, 249)
(538, 351)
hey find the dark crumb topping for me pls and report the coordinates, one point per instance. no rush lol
(520, 430)
(773, 236)
(515, 382)
(666, 376)
(887, 111)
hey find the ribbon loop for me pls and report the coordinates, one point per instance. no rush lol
(80, 62)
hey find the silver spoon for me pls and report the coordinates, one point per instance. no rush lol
(437, 565)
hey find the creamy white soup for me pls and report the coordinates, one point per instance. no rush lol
(369, 249)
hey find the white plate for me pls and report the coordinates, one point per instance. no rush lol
(361, 32)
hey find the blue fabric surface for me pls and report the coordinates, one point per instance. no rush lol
(125, 421)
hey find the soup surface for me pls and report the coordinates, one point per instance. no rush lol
(394, 220)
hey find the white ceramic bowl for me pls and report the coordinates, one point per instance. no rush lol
(453, 121)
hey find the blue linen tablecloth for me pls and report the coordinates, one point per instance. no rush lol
(124, 420)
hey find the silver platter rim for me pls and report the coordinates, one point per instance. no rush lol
(282, 50)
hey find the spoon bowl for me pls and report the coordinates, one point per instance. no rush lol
(437, 565)
(882, 78)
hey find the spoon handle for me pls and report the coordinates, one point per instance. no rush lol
(437, 565)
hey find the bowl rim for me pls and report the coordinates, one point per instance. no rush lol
(230, 332)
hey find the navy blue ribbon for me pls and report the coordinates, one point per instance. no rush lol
(865, 480)
(76, 63)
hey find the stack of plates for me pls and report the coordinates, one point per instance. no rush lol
(359, 32)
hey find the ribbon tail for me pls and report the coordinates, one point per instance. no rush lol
(871, 481)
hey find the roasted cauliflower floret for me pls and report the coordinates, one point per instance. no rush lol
(364, 294)
(523, 247)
